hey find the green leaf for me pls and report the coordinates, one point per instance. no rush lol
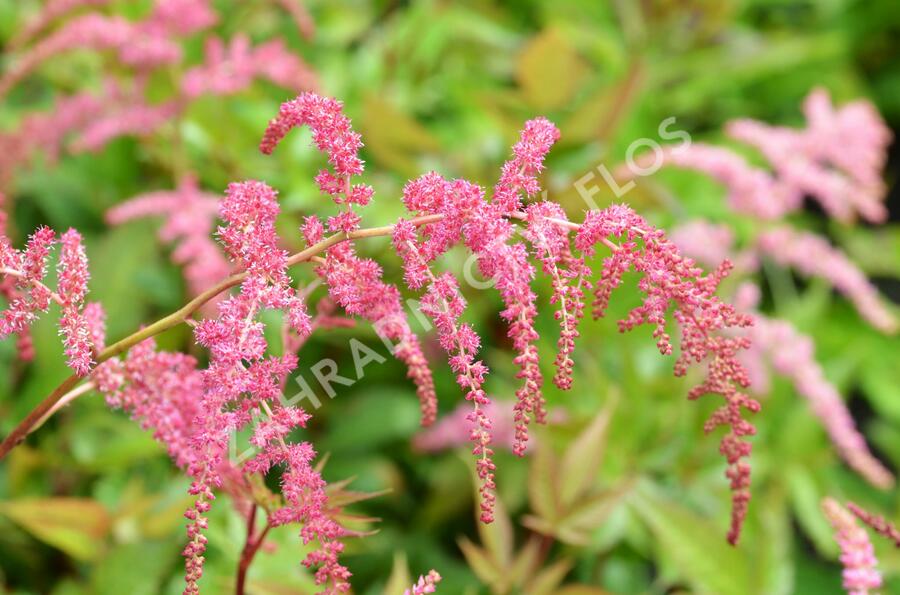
(399, 581)
(548, 579)
(582, 458)
(695, 546)
(76, 526)
(480, 562)
(542, 480)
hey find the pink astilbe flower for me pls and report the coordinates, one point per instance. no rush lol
(353, 283)
(520, 173)
(792, 355)
(229, 69)
(180, 18)
(488, 235)
(837, 160)
(552, 248)
(242, 381)
(8, 290)
(46, 132)
(72, 288)
(751, 190)
(304, 491)
(425, 584)
(190, 214)
(90, 31)
(444, 304)
(161, 390)
(137, 118)
(817, 160)
(467, 218)
(452, 430)
(356, 285)
(813, 256)
(857, 554)
(668, 277)
(29, 269)
(334, 136)
(878, 523)
(24, 274)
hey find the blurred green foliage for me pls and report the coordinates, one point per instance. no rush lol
(630, 502)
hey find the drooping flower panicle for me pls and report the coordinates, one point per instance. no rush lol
(857, 554)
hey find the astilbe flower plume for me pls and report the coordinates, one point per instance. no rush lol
(836, 159)
(812, 255)
(552, 247)
(243, 381)
(28, 295)
(190, 215)
(353, 283)
(668, 277)
(425, 584)
(230, 68)
(878, 523)
(857, 554)
(790, 353)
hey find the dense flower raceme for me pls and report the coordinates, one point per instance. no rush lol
(121, 108)
(189, 222)
(778, 344)
(195, 411)
(857, 553)
(813, 256)
(145, 44)
(28, 295)
(463, 215)
(836, 159)
(242, 382)
(668, 277)
(425, 584)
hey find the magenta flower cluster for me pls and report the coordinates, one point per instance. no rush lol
(194, 410)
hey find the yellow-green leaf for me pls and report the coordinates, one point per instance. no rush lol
(76, 526)
(550, 70)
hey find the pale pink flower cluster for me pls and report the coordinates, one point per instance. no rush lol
(792, 356)
(189, 222)
(751, 190)
(857, 554)
(836, 159)
(670, 278)
(813, 256)
(230, 67)
(24, 288)
(242, 381)
(142, 46)
(790, 353)
(146, 44)
(426, 584)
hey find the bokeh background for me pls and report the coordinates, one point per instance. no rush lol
(446, 86)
